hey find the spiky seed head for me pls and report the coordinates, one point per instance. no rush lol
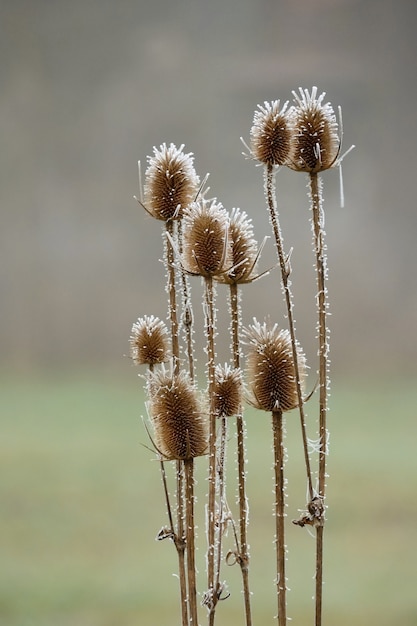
(206, 246)
(149, 341)
(271, 134)
(171, 182)
(179, 425)
(244, 249)
(316, 133)
(270, 368)
(228, 390)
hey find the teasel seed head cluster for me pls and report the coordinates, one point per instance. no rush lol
(228, 391)
(206, 249)
(270, 368)
(180, 427)
(271, 134)
(316, 133)
(171, 182)
(149, 341)
(243, 249)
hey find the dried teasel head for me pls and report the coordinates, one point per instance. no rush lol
(206, 248)
(171, 182)
(228, 390)
(316, 133)
(149, 341)
(271, 134)
(244, 250)
(270, 368)
(180, 427)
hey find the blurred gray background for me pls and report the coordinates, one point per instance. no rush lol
(89, 87)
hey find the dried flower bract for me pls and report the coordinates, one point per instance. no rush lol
(149, 341)
(179, 425)
(244, 249)
(271, 134)
(317, 141)
(270, 368)
(227, 391)
(206, 245)
(171, 182)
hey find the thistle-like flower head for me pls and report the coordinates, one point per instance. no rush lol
(179, 425)
(171, 182)
(316, 132)
(206, 246)
(244, 249)
(228, 390)
(270, 368)
(271, 134)
(149, 341)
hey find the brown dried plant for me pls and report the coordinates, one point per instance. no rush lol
(202, 239)
(273, 388)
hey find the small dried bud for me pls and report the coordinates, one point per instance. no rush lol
(149, 341)
(227, 391)
(206, 247)
(179, 425)
(171, 182)
(271, 134)
(244, 250)
(317, 142)
(270, 368)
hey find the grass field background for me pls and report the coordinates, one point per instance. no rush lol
(81, 503)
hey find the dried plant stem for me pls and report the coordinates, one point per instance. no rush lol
(211, 515)
(190, 540)
(187, 310)
(269, 182)
(172, 306)
(221, 490)
(321, 269)
(243, 557)
(172, 294)
(277, 428)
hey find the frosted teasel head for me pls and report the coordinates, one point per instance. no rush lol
(206, 246)
(149, 341)
(271, 134)
(180, 428)
(243, 248)
(228, 390)
(171, 182)
(270, 368)
(316, 133)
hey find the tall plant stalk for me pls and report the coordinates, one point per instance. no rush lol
(284, 263)
(322, 305)
(281, 584)
(243, 551)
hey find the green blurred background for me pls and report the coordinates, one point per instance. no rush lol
(87, 89)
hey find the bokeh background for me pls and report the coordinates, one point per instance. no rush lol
(87, 89)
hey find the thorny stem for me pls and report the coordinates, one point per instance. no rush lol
(178, 540)
(222, 497)
(243, 558)
(286, 283)
(187, 310)
(211, 521)
(172, 295)
(281, 583)
(179, 543)
(190, 540)
(321, 268)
